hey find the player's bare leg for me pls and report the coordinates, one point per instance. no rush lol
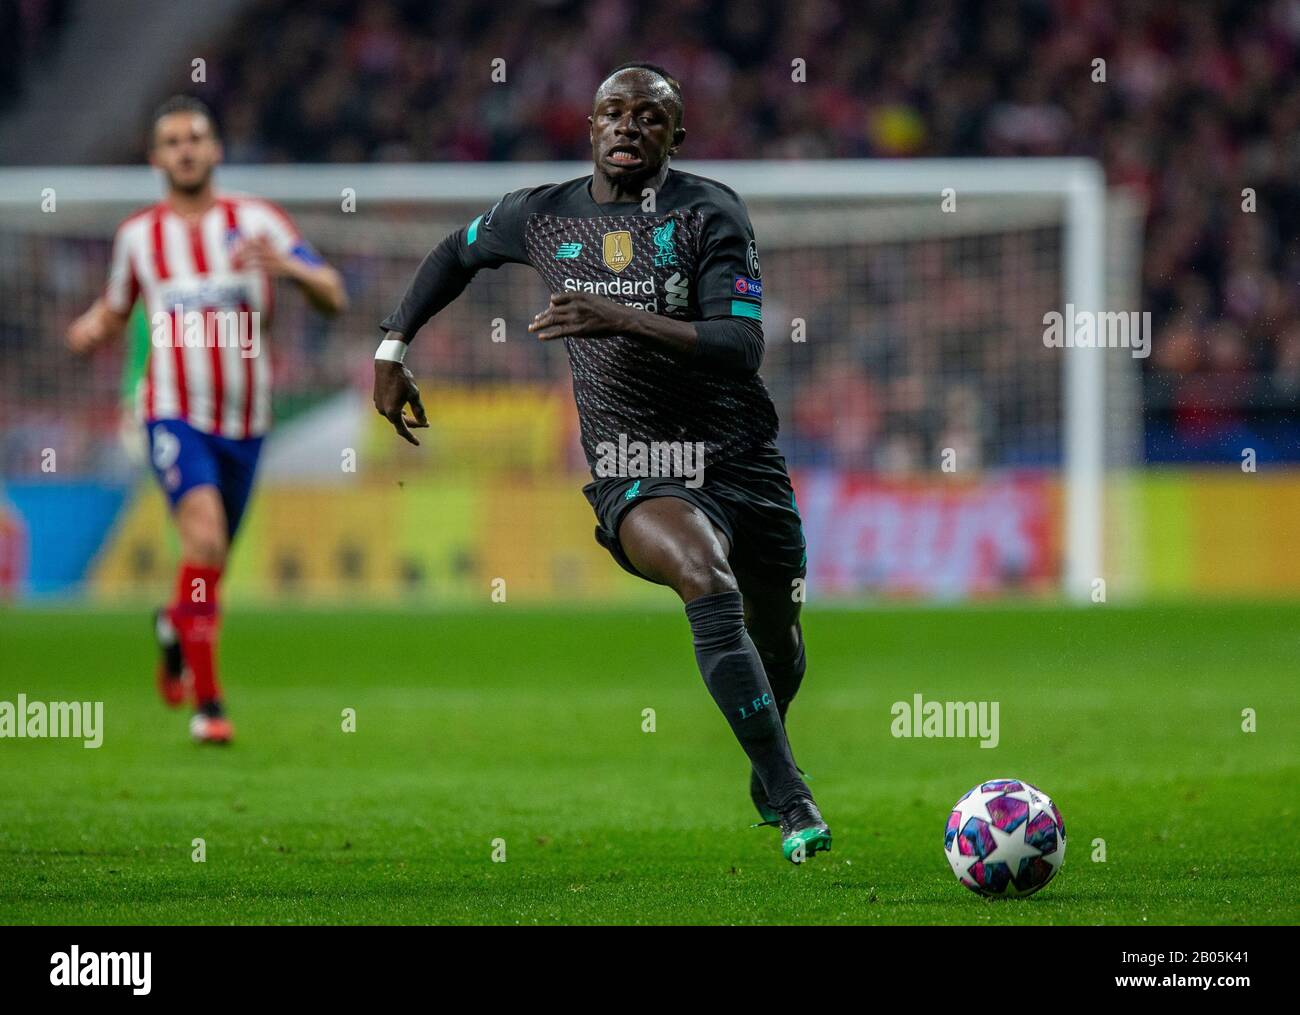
(201, 524)
(672, 542)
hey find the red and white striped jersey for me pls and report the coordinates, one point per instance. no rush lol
(203, 375)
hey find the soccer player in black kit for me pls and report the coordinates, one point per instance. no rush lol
(661, 314)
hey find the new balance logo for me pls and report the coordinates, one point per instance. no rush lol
(633, 491)
(567, 251)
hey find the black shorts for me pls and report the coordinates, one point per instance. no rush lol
(749, 498)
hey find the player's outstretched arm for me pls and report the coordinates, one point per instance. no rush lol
(395, 389)
(100, 324)
(440, 278)
(489, 241)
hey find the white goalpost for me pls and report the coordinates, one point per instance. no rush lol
(832, 225)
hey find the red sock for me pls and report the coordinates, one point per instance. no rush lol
(194, 615)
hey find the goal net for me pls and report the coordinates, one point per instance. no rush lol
(941, 446)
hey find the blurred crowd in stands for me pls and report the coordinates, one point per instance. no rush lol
(31, 29)
(1194, 106)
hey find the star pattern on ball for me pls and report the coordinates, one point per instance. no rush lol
(1009, 839)
(1007, 848)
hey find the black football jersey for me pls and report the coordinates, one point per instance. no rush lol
(693, 258)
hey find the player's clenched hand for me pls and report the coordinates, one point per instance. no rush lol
(394, 390)
(97, 325)
(84, 333)
(580, 314)
(257, 253)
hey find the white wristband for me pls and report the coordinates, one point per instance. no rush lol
(391, 349)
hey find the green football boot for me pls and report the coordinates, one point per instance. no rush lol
(803, 831)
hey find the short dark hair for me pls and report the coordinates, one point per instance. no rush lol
(182, 104)
(673, 84)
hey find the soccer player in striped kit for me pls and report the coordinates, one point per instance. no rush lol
(205, 265)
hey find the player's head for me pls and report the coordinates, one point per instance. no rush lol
(184, 144)
(636, 122)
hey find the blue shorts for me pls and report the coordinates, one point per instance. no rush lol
(183, 458)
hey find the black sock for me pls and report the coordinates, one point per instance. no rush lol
(212, 708)
(785, 670)
(733, 672)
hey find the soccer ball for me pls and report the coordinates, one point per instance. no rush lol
(1005, 838)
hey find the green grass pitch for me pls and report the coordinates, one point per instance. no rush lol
(526, 726)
